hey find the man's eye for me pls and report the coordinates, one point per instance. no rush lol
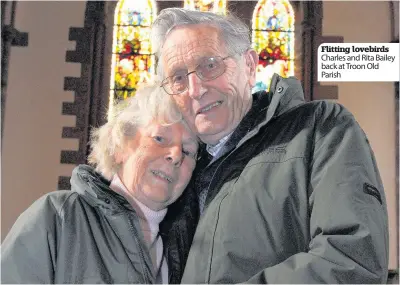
(159, 139)
(211, 65)
(177, 78)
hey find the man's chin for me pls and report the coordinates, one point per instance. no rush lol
(211, 137)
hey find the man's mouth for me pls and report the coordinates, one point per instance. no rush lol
(162, 175)
(209, 107)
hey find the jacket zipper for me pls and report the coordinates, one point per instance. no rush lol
(208, 273)
(144, 268)
(226, 157)
(212, 179)
(240, 143)
(133, 230)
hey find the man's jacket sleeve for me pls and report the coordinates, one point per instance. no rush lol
(28, 253)
(348, 216)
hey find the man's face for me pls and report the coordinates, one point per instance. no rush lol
(214, 108)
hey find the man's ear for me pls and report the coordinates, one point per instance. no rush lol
(251, 65)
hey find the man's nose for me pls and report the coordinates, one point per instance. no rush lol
(174, 155)
(195, 86)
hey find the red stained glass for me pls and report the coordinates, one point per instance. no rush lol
(132, 60)
(273, 40)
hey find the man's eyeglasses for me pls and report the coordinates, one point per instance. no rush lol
(209, 69)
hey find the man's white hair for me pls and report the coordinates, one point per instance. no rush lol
(232, 31)
(149, 104)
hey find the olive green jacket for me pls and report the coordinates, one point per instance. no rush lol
(298, 199)
(87, 235)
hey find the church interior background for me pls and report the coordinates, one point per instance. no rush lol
(64, 65)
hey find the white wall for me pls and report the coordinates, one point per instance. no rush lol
(33, 122)
(372, 104)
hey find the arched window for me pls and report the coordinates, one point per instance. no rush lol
(132, 59)
(216, 6)
(273, 40)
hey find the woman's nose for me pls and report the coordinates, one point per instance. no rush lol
(174, 155)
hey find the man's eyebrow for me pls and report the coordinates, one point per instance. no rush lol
(178, 69)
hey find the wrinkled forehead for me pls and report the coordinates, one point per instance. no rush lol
(188, 44)
(169, 129)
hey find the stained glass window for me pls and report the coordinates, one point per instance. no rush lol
(216, 6)
(273, 40)
(132, 59)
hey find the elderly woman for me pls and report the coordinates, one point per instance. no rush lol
(106, 229)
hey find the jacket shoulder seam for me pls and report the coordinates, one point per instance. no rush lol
(343, 118)
(60, 212)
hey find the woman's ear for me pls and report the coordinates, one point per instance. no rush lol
(251, 65)
(119, 157)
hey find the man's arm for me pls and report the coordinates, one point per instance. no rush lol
(348, 221)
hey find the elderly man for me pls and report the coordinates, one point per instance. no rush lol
(285, 191)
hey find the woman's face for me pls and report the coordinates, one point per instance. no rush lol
(157, 163)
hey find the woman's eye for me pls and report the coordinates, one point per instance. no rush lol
(188, 153)
(159, 139)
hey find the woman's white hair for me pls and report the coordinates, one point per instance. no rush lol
(234, 33)
(149, 104)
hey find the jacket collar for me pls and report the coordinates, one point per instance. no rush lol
(254, 116)
(95, 189)
(284, 94)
